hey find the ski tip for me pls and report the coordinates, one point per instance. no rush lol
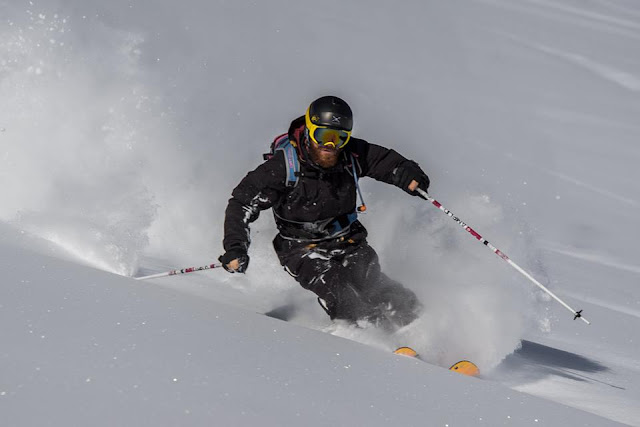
(406, 351)
(465, 367)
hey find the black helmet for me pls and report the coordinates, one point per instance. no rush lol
(329, 121)
(332, 112)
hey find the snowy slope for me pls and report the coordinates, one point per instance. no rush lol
(125, 125)
(84, 347)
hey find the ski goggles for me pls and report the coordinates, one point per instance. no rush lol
(326, 136)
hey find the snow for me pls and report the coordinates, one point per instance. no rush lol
(125, 125)
(89, 347)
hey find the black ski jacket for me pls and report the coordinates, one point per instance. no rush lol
(309, 210)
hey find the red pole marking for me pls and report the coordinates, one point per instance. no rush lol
(436, 204)
(176, 272)
(472, 231)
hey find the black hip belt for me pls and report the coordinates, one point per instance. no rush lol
(315, 230)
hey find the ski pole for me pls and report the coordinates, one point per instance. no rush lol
(183, 271)
(434, 202)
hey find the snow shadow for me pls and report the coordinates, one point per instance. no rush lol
(283, 312)
(552, 357)
(533, 362)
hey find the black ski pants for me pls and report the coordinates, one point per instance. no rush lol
(345, 274)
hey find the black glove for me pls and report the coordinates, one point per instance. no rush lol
(410, 171)
(230, 255)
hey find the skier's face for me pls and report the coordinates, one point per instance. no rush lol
(324, 156)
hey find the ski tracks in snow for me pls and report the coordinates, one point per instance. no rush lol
(564, 177)
(612, 5)
(557, 11)
(602, 260)
(603, 16)
(581, 12)
(597, 20)
(622, 78)
(593, 258)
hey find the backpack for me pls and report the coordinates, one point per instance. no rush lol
(291, 161)
(292, 164)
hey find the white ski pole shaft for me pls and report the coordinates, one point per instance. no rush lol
(182, 271)
(434, 202)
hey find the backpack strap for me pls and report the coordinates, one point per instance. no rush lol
(291, 161)
(363, 207)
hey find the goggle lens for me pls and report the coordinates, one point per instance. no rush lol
(327, 136)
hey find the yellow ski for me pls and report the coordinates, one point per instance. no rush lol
(463, 367)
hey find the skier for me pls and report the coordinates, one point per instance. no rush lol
(320, 242)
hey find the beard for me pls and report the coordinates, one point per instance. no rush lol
(325, 157)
